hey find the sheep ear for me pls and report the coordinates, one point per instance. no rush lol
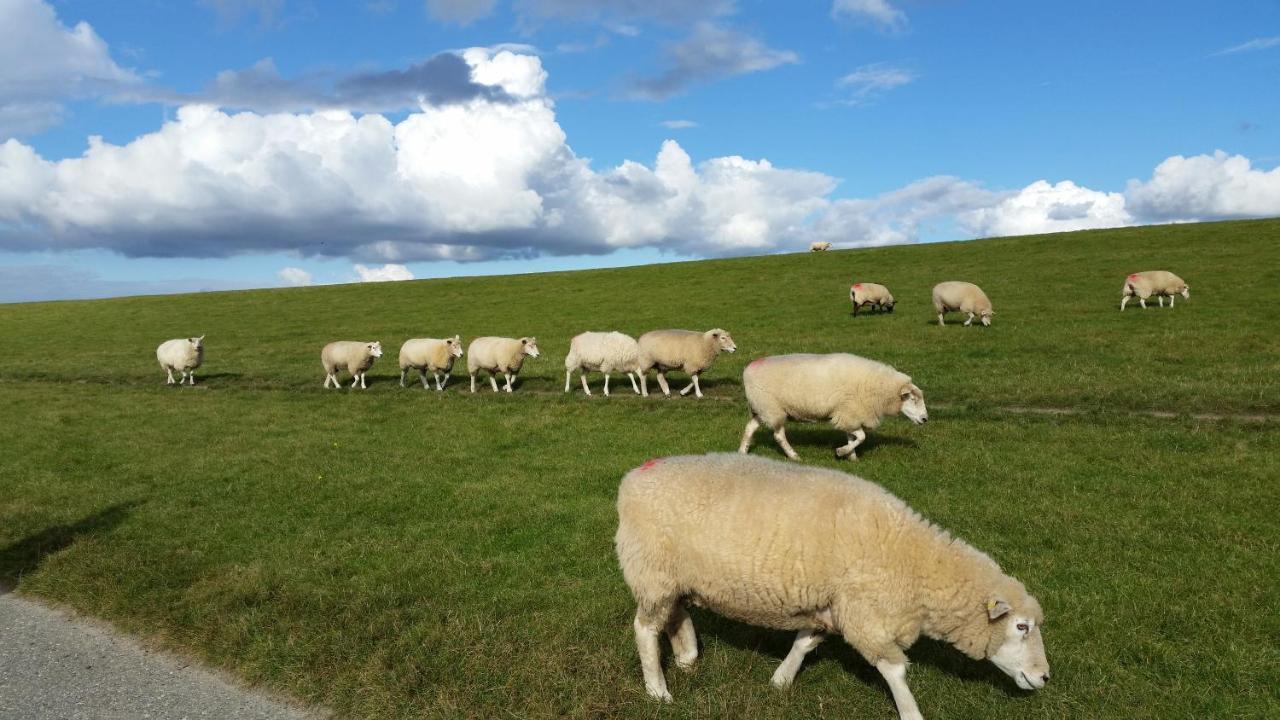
(201, 338)
(906, 391)
(997, 608)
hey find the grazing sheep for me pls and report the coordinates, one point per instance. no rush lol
(431, 354)
(499, 355)
(1160, 283)
(357, 357)
(852, 392)
(815, 551)
(819, 246)
(605, 352)
(685, 350)
(183, 355)
(963, 296)
(872, 295)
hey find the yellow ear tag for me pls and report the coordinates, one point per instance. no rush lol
(991, 605)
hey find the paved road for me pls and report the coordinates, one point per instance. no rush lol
(53, 667)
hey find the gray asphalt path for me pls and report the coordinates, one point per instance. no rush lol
(54, 667)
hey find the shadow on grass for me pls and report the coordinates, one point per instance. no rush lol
(803, 437)
(776, 644)
(27, 554)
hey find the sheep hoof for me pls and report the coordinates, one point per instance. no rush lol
(659, 694)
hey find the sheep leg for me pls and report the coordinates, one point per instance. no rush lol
(1171, 299)
(752, 425)
(806, 641)
(1161, 299)
(426, 385)
(439, 385)
(969, 321)
(644, 384)
(493, 381)
(941, 322)
(192, 376)
(684, 641)
(1124, 301)
(634, 388)
(693, 385)
(780, 435)
(585, 388)
(651, 658)
(362, 385)
(1143, 302)
(327, 378)
(403, 372)
(169, 372)
(855, 439)
(568, 376)
(896, 675)
(507, 376)
(183, 379)
(662, 383)
(606, 384)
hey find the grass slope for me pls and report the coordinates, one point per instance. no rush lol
(400, 553)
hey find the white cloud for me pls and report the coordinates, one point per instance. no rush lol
(1251, 46)
(43, 63)
(491, 177)
(870, 80)
(879, 12)
(1217, 186)
(679, 124)
(709, 53)
(387, 273)
(1043, 208)
(296, 277)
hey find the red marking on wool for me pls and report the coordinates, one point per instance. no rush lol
(757, 362)
(650, 464)
(857, 285)
(1131, 277)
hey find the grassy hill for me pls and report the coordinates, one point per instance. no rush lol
(404, 553)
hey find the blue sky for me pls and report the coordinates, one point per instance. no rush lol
(254, 143)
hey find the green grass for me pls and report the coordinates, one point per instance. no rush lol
(401, 553)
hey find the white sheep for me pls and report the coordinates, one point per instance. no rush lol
(425, 354)
(1160, 283)
(183, 355)
(819, 246)
(816, 551)
(963, 296)
(685, 350)
(851, 392)
(356, 356)
(605, 352)
(499, 355)
(871, 295)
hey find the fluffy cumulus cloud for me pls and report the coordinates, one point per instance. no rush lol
(387, 273)
(491, 175)
(1218, 186)
(1041, 207)
(43, 63)
(296, 277)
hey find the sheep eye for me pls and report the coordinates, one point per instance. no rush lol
(1022, 627)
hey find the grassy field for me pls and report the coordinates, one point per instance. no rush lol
(401, 553)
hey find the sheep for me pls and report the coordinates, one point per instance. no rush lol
(963, 296)
(871, 294)
(183, 355)
(819, 246)
(686, 350)
(431, 354)
(356, 356)
(499, 355)
(1160, 283)
(816, 551)
(851, 392)
(605, 352)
